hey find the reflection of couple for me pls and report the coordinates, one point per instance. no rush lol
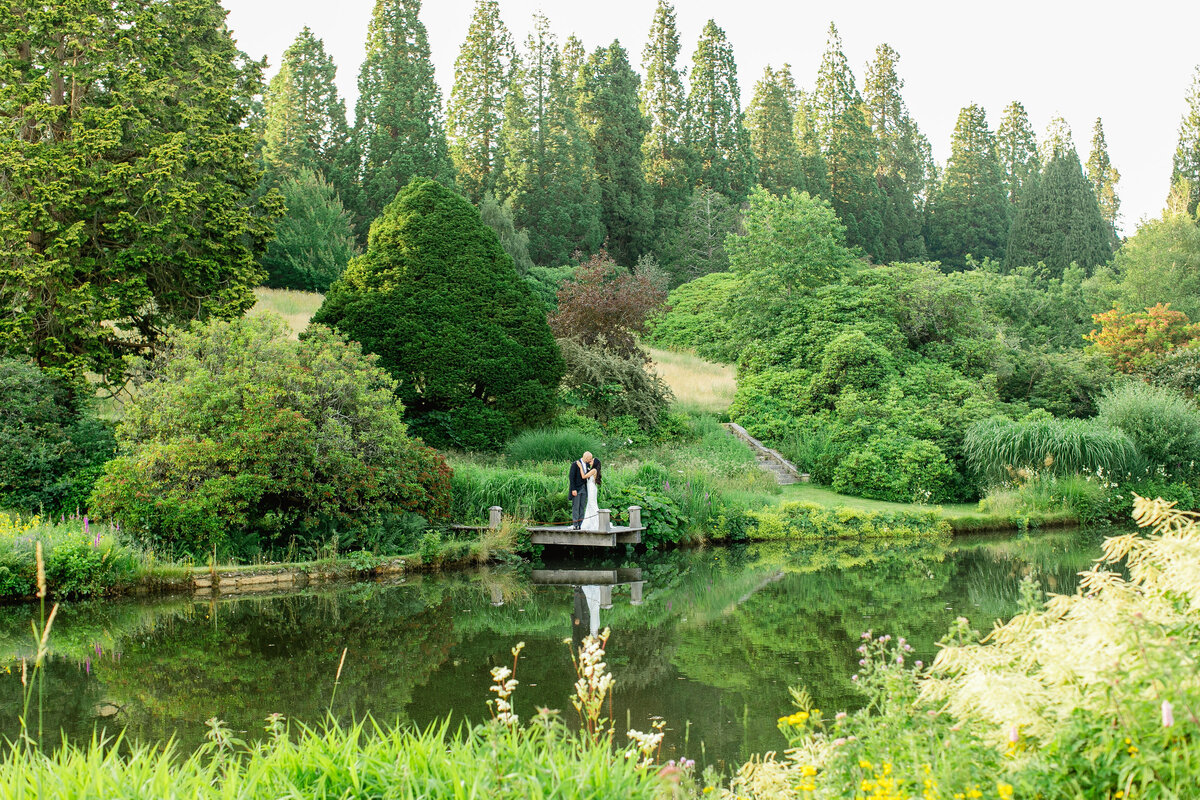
(585, 478)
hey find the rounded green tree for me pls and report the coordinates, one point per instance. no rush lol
(439, 300)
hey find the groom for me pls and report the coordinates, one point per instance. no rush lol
(579, 491)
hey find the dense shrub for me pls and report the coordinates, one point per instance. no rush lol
(52, 447)
(438, 299)
(247, 441)
(697, 319)
(798, 521)
(998, 448)
(603, 305)
(561, 446)
(896, 468)
(607, 385)
(1136, 342)
(1179, 369)
(315, 240)
(1162, 423)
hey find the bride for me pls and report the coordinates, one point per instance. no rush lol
(591, 517)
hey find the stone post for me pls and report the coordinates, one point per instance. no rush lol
(635, 517)
(605, 514)
(497, 595)
(606, 596)
(494, 517)
(635, 593)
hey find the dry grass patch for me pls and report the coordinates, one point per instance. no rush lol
(295, 307)
(696, 383)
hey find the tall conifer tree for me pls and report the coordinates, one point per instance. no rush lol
(398, 132)
(849, 148)
(808, 139)
(970, 209)
(905, 164)
(548, 167)
(609, 112)
(1059, 221)
(476, 112)
(1185, 167)
(716, 128)
(1016, 144)
(1058, 140)
(770, 119)
(1104, 177)
(306, 120)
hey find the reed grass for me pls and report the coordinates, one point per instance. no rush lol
(999, 448)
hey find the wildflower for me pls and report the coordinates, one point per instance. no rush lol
(1168, 714)
(1005, 790)
(1014, 734)
(840, 715)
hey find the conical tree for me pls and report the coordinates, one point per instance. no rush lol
(438, 300)
(808, 140)
(574, 62)
(305, 119)
(398, 132)
(716, 128)
(1016, 144)
(548, 178)
(770, 119)
(667, 158)
(1185, 167)
(1104, 177)
(849, 148)
(1058, 140)
(476, 112)
(1059, 221)
(315, 241)
(970, 214)
(609, 112)
(905, 165)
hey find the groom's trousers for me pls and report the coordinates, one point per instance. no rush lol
(578, 507)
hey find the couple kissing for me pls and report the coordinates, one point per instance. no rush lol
(584, 481)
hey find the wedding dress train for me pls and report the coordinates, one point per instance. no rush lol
(591, 517)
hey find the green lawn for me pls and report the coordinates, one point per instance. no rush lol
(809, 493)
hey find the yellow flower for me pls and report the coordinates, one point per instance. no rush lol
(1005, 791)
(863, 763)
(708, 790)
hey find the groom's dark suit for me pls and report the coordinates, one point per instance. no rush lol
(580, 489)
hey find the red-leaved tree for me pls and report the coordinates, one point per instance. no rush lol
(606, 306)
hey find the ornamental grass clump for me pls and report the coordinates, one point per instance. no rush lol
(998, 448)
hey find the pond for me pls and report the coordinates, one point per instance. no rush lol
(709, 640)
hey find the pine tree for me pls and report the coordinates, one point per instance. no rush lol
(609, 112)
(398, 130)
(716, 128)
(305, 120)
(131, 195)
(1059, 221)
(476, 112)
(1057, 141)
(970, 214)
(315, 241)
(667, 159)
(1016, 144)
(849, 148)
(808, 140)
(574, 63)
(905, 164)
(770, 119)
(1185, 167)
(1104, 177)
(548, 169)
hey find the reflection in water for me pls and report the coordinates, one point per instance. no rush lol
(708, 640)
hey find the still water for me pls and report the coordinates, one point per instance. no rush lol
(709, 640)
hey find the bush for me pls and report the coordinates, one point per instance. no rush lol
(314, 242)
(997, 449)
(698, 318)
(899, 469)
(853, 361)
(797, 521)
(438, 299)
(1179, 369)
(52, 448)
(1162, 423)
(660, 514)
(559, 446)
(607, 385)
(247, 441)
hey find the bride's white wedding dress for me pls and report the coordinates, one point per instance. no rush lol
(591, 517)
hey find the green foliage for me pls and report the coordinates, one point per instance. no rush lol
(1185, 166)
(801, 521)
(1179, 369)
(769, 119)
(1161, 264)
(1163, 424)
(515, 241)
(131, 197)
(698, 318)
(696, 245)
(853, 362)
(246, 441)
(545, 282)
(1104, 177)
(999, 448)
(314, 242)
(716, 128)
(1016, 146)
(608, 385)
(662, 517)
(398, 131)
(1058, 222)
(52, 447)
(560, 446)
(437, 298)
(898, 469)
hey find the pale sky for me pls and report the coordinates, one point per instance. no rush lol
(1129, 63)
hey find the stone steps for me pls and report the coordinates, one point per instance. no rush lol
(784, 471)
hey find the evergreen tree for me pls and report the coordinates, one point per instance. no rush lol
(1016, 144)
(1059, 221)
(438, 299)
(808, 140)
(1185, 167)
(849, 148)
(315, 241)
(1104, 177)
(574, 64)
(130, 188)
(398, 130)
(770, 119)
(716, 128)
(476, 112)
(305, 125)
(609, 112)
(548, 165)
(905, 164)
(970, 211)
(699, 245)
(499, 217)
(1057, 141)
(667, 158)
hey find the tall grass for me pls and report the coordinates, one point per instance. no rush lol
(997, 447)
(697, 384)
(560, 446)
(295, 307)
